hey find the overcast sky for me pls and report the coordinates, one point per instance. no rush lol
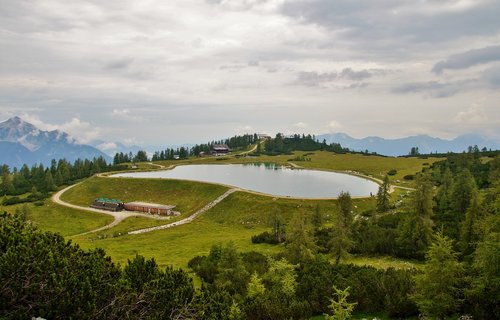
(164, 72)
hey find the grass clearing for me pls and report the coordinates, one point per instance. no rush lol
(236, 218)
(66, 221)
(384, 262)
(188, 197)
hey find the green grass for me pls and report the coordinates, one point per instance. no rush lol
(64, 220)
(384, 262)
(130, 224)
(188, 197)
(236, 219)
(176, 246)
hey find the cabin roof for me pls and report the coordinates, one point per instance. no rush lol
(149, 205)
(108, 200)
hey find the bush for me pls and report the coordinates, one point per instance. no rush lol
(265, 237)
(409, 177)
(392, 172)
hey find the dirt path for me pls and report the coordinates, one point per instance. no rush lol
(118, 216)
(207, 207)
(156, 165)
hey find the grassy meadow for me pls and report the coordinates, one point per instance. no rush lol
(188, 197)
(56, 218)
(236, 218)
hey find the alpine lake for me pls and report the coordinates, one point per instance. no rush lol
(270, 179)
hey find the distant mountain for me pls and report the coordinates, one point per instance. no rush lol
(23, 143)
(402, 146)
(112, 148)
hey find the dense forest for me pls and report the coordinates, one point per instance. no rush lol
(450, 223)
(238, 142)
(39, 181)
(282, 144)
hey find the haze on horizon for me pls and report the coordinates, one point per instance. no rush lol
(166, 72)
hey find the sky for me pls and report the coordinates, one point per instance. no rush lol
(158, 72)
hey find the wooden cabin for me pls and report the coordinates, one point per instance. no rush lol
(150, 208)
(220, 149)
(107, 204)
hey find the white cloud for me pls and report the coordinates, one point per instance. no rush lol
(81, 131)
(474, 114)
(334, 126)
(107, 146)
(120, 112)
(300, 125)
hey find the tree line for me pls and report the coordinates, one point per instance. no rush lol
(40, 180)
(281, 144)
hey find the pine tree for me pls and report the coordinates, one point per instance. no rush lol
(415, 231)
(437, 288)
(341, 309)
(383, 196)
(340, 235)
(469, 235)
(300, 244)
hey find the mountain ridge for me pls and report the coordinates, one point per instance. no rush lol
(402, 146)
(23, 143)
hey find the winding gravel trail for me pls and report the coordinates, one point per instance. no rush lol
(207, 207)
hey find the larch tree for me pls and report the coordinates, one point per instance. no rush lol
(300, 244)
(383, 195)
(340, 238)
(437, 287)
(415, 231)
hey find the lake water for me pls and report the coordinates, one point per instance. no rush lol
(270, 179)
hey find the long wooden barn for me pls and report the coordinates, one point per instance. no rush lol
(150, 208)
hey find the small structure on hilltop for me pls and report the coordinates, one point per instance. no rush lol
(107, 204)
(263, 136)
(220, 149)
(151, 208)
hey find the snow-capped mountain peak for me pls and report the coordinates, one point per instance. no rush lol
(42, 145)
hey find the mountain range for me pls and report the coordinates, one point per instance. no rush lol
(23, 143)
(402, 146)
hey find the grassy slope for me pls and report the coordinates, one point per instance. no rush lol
(187, 196)
(237, 218)
(66, 221)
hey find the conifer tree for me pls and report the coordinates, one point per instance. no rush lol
(340, 237)
(383, 195)
(437, 288)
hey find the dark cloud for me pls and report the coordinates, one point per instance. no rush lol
(437, 89)
(348, 73)
(119, 64)
(468, 59)
(397, 27)
(492, 77)
(313, 78)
